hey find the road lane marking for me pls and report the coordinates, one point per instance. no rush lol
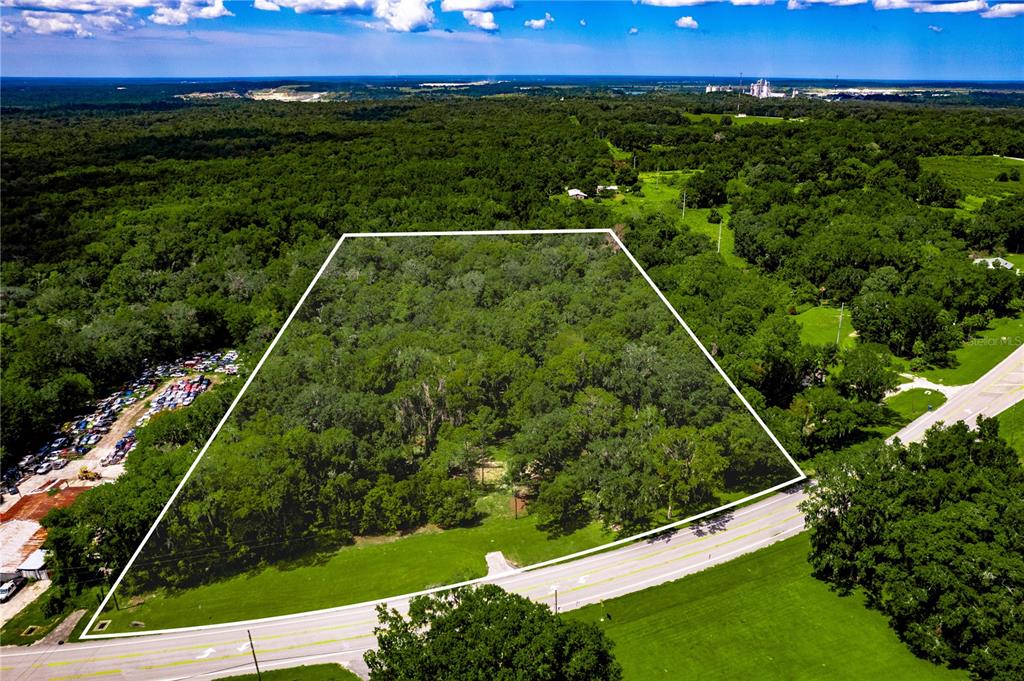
(263, 651)
(198, 646)
(106, 672)
(674, 559)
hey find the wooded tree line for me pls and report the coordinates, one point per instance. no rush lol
(932, 533)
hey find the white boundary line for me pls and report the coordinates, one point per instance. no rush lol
(323, 268)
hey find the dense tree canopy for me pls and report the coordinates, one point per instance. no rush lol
(933, 532)
(414, 360)
(488, 634)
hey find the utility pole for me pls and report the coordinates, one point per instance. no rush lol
(719, 236)
(684, 205)
(256, 662)
(556, 601)
(839, 331)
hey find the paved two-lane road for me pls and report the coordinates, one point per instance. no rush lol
(342, 636)
(993, 393)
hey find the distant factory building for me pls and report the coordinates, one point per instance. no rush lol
(762, 89)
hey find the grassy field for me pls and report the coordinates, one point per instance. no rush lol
(981, 353)
(365, 571)
(736, 119)
(661, 194)
(1017, 259)
(976, 176)
(1011, 427)
(761, 616)
(32, 615)
(313, 672)
(818, 326)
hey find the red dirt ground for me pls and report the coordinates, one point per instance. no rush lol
(35, 506)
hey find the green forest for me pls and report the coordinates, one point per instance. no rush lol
(416, 361)
(143, 233)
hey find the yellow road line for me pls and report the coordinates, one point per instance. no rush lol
(710, 535)
(107, 672)
(201, 646)
(665, 562)
(261, 651)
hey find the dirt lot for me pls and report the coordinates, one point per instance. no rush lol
(125, 422)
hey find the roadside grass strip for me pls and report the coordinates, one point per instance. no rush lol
(758, 616)
(980, 354)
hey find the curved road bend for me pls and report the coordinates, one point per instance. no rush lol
(993, 393)
(344, 635)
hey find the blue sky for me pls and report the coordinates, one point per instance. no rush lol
(915, 39)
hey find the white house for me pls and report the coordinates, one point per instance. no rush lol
(607, 188)
(576, 194)
(993, 263)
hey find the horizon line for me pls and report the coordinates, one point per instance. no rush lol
(524, 76)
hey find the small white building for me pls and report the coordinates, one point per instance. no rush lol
(34, 567)
(601, 188)
(993, 263)
(576, 194)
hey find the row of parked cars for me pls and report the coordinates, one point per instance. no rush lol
(79, 435)
(121, 449)
(179, 394)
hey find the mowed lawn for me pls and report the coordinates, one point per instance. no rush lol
(736, 119)
(980, 354)
(906, 406)
(819, 326)
(366, 571)
(314, 672)
(976, 175)
(761, 616)
(1011, 427)
(662, 194)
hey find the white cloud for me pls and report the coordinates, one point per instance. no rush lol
(482, 20)
(934, 29)
(1004, 10)
(475, 5)
(633, 30)
(952, 7)
(393, 15)
(539, 24)
(7, 28)
(686, 22)
(266, 6)
(405, 15)
(55, 23)
(583, 23)
(167, 15)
